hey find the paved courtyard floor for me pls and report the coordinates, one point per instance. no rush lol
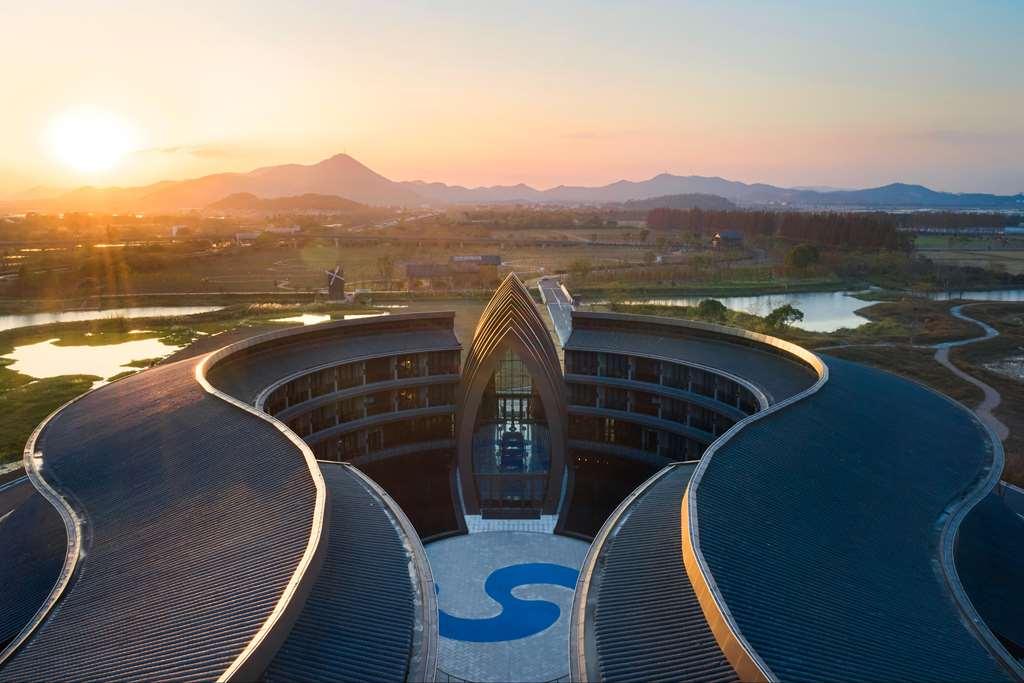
(504, 600)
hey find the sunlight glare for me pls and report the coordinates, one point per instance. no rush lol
(90, 140)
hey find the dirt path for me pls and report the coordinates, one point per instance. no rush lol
(992, 398)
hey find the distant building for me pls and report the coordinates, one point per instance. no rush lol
(285, 230)
(481, 260)
(460, 271)
(727, 239)
(249, 236)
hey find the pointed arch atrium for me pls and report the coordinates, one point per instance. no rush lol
(511, 430)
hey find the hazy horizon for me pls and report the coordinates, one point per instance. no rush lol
(575, 94)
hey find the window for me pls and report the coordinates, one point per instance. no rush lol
(644, 403)
(378, 370)
(581, 362)
(407, 399)
(348, 446)
(616, 366)
(676, 376)
(350, 375)
(350, 409)
(675, 410)
(703, 382)
(377, 403)
(583, 394)
(408, 366)
(443, 362)
(441, 394)
(646, 370)
(615, 399)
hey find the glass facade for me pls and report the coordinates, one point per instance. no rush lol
(511, 441)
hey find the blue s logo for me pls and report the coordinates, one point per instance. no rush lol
(518, 618)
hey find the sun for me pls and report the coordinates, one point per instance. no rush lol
(90, 140)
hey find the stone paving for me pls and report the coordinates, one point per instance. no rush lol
(462, 564)
(545, 525)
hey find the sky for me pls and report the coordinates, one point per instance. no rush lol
(834, 94)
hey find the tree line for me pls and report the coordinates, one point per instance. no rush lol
(862, 230)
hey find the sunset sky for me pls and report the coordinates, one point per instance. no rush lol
(794, 94)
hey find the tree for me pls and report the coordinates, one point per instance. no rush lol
(580, 269)
(783, 316)
(802, 256)
(386, 269)
(712, 309)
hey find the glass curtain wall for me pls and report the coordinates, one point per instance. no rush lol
(511, 441)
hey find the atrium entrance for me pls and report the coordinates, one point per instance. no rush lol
(511, 442)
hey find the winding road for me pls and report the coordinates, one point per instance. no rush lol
(992, 398)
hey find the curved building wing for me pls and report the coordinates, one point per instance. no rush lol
(33, 542)
(757, 512)
(179, 495)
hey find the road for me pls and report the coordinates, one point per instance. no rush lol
(559, 306)
(992, 398)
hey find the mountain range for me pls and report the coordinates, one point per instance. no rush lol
(246, 201)
(343, 176)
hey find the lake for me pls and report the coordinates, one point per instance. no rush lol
(10, 322)
(48, 359)
(823, 311)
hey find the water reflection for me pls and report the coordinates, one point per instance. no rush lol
(48, 359)
(823, 311)
(316, 318)
(10, 322)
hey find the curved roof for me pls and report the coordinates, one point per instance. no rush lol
(258, 363)
(635, 607)
(752, 357)
(31, 525)
(180, 494)
(199, 527)
(361, 619)
(822, 527)
(990, 562)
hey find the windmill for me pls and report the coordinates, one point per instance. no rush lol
(335, 284)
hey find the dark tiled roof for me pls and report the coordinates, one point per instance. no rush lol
(196, 515)
(990, 561)
(360, 619)
(821, 526)
(32, 542)
(643, 615)
(247, 376)
(773, 374)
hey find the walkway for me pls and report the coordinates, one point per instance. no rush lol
(992, 398)
(559, 306)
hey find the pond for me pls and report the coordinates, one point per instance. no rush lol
(823, 311)
(980, 295)
(49, 359)
(317, 318)
(10, 322)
